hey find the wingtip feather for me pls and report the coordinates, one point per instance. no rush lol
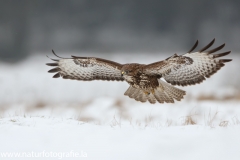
(207, 46)
(52, 64)
(194, 46)
(216, 49)
(56, 75)
(52, 58)
(221, 54)
(57, 55)
(54, 70)
(225, 60)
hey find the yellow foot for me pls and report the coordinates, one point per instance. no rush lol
(152, 91)
(147, 93)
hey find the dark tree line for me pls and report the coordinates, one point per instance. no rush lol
(29, 26)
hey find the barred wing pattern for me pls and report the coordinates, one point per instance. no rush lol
(190, 68)
(86, 69)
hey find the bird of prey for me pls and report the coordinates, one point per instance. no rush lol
(145, 80)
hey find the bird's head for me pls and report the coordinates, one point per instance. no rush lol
(128, 71)
(125, 72)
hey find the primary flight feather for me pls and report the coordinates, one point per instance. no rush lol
(145, 80)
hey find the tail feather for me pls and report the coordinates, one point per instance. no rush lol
(151, 98)
(173, 92)
(141, 97)
(168, 97)
(163, 93)
(162, 96)
(131, 92)
(128, 91)
(136, 94)
(159, 96)
(170, 92)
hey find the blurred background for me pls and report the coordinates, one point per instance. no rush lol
(36, 26)
(123, 31)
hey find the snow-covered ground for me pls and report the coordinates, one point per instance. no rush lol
(40, 114)
(60, 135)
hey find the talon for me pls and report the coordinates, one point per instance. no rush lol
(147, 93)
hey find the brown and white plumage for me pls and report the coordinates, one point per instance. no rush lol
(190, 68)
(145, 80)
(86, 69)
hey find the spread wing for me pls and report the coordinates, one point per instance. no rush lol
(190, 68)
(86, 69)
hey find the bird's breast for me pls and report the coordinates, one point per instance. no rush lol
(143, 81)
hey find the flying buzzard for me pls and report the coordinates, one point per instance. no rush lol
(145, 79)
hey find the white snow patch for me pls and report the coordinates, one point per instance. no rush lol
(38, 113)
(35, 134)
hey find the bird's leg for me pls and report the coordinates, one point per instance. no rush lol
(152, 90)
(146, 92)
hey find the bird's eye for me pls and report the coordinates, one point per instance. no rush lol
(126, 72)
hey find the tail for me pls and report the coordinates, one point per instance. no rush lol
(168, 93)
(163, 93)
